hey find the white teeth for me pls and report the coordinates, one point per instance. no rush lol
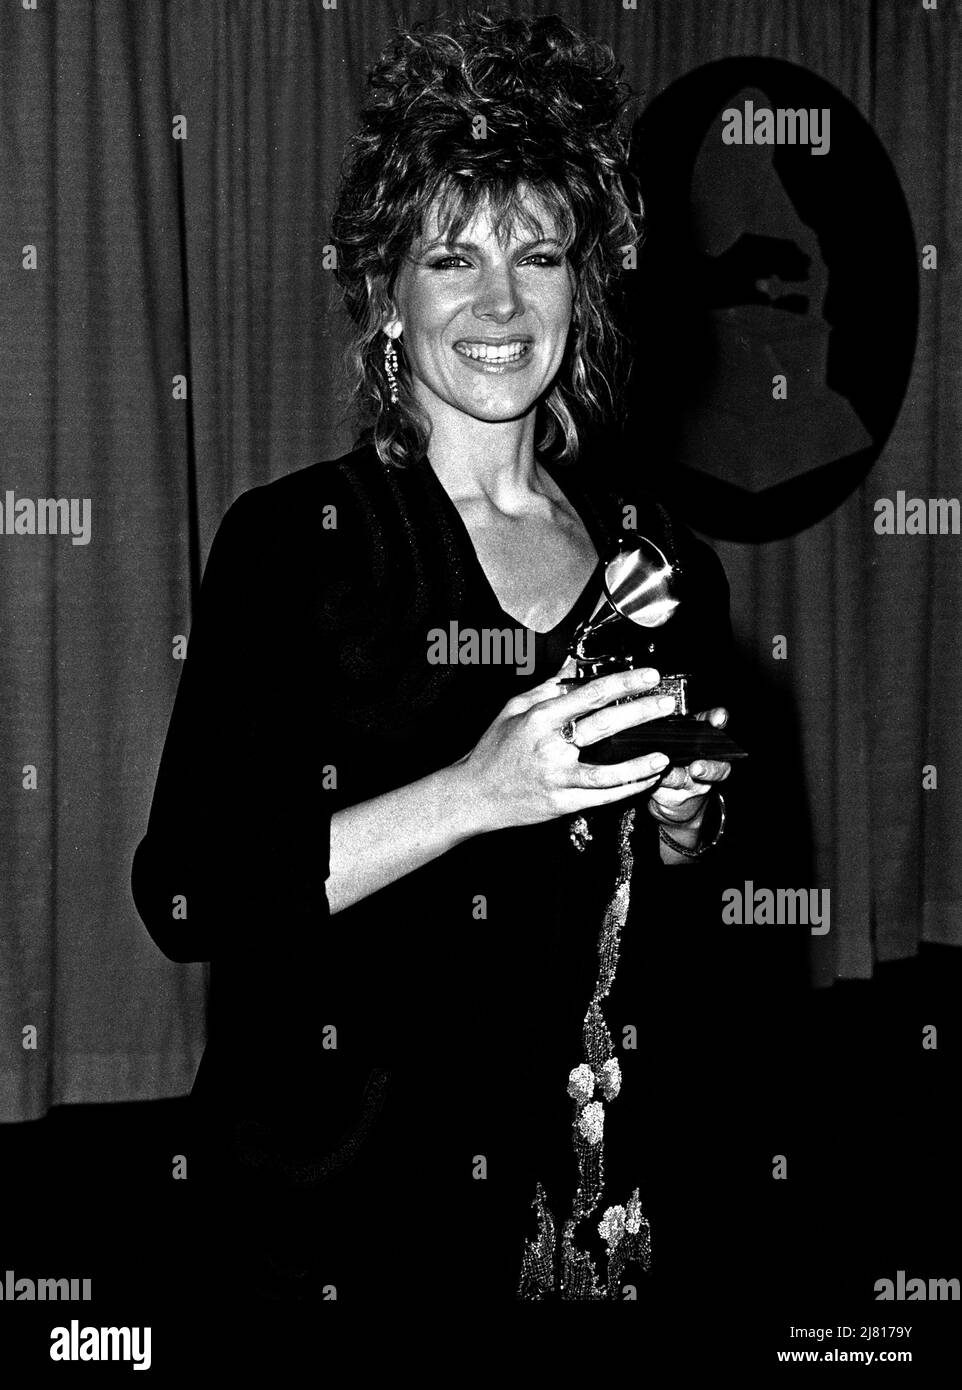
(487, 352)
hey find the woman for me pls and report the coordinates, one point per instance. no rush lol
(371, 834)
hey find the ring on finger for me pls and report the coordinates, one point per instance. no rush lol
(567, 731)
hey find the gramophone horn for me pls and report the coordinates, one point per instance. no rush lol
(638, 584)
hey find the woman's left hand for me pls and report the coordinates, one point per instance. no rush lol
(681, 795)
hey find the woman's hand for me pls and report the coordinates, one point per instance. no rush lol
(681, 795)
(523, 770)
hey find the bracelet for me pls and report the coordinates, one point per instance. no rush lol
(702, 849)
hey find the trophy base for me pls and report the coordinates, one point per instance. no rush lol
(681, 739)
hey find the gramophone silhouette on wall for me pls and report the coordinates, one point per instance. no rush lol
(762, 261)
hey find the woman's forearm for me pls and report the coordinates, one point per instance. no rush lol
(377, 842)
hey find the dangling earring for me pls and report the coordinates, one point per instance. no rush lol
(390, 367)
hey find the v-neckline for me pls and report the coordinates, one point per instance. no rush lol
(575, 497)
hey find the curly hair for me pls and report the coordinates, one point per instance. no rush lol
(552, 102)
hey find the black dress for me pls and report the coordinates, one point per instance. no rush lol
(385, 1089)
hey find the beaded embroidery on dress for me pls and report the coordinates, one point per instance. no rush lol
(552, 1268)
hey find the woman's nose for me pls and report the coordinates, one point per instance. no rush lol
(499, 296)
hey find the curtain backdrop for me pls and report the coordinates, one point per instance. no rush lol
(168, 339)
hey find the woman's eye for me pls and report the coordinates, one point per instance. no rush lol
(542, 258)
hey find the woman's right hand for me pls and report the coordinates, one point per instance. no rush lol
(522, 771)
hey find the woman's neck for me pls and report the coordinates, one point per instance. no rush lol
(475, 459)
(485, 462)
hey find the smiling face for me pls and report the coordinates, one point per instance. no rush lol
(484, 325)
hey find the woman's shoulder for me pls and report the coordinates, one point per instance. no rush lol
(631, 504)
(307, 494)
(329, 509)
(350, 525)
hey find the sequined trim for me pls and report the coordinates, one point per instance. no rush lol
(565, 1269)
